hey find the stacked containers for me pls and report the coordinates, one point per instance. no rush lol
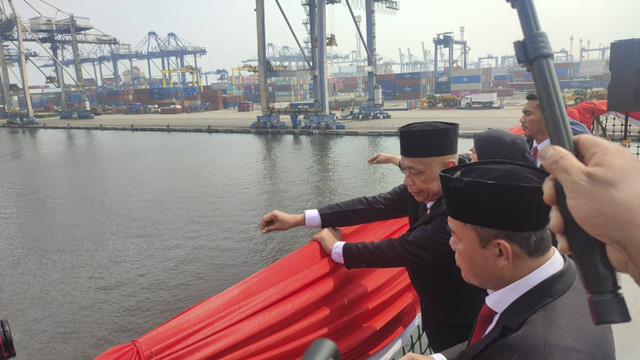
(520, 79)
(388, 84)
(500, 92)
(470, 81)
(245, 106)
(191, 96)
(410, 86)
(229, 101)
(563, 70)
(290, 89)
(501, 80)
(594, 67)
(160, 96)
(74, 100)
(213, 98)
(142, 96)
(119, 98)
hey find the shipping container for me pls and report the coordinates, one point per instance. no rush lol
(469, 86)
(408, 82)
(408, 96)
(466, 79)
(384, 77)
(462, 93)
(466, 72)
(563, 72)
(507, 77)
(410, 75)
(387, 84)
(523, 86)
(563, 65)
(500, 92)
(408, 89)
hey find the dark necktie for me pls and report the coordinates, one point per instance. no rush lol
(484, 320)
(534, 153)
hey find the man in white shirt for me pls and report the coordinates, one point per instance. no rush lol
(536, 307)
(448, 304)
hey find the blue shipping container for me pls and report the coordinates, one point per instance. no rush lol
(191, 91)
(508, 77)
(576, 84)
(387, 84)
(408, 89)
(411, 75)
(527, 76)
(466, 79)
(563, 72)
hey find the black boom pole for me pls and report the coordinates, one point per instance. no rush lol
(598, 276)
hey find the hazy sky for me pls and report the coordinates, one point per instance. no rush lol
(227, 29)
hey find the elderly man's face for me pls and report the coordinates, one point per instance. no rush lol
(421, 177)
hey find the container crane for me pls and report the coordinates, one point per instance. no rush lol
(493, 60)
(442, 84)
(170, 47)
(46, 30)
(245, 67)
(195, 75)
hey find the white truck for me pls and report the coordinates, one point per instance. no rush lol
(482, 100)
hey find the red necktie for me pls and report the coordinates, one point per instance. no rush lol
(484, 320)
(534, 153)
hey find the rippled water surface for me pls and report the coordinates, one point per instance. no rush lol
(106, 235)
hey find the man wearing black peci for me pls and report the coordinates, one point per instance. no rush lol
(449, 305)
(536, 307)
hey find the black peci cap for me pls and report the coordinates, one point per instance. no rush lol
(496, 194)
(428, 139)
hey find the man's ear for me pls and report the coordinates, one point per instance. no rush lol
(449, 163)
(503, 251)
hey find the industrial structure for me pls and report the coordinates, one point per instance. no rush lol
(315, 59)
(61, 40)
(292, 81)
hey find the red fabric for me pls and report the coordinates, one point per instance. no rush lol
(585, 111)
(517, 130)
(534, 153)
(484, 320)
(279, 311)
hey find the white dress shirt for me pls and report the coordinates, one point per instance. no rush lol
(312, 220)
(540, 146)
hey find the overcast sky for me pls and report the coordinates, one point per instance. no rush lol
(227, 28)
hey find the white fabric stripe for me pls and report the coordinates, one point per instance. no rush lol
(390, 350)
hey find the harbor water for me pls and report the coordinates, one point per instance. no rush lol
(105, 235)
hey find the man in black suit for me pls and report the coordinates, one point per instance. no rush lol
(448, 304)
(536, 307)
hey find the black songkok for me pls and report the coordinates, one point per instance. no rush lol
(496, 194)
(428, 139)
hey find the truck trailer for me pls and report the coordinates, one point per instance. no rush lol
(479, 100)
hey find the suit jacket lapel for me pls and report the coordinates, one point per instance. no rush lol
(427, 216)
(523, 307)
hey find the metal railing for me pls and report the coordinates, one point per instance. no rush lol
(613, 128)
